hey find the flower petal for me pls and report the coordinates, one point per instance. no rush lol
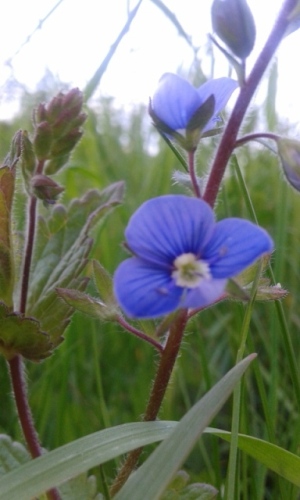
(207, 293)
(221, 89)
(175, 101)
(165, 227)
(144, 291)
(234, 245)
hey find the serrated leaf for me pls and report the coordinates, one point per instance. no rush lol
(70, 460)
(86, 304)
(63, 244)
(22, 335)
(12, 455)
(155, 474)
(7, 184)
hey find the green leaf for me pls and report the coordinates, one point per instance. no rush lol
(69, 461)
(247, 276)
(87, 305)
(180, 489)
(103, 282)
(7, 184)
(22, 335)
(79, 488)
(63, 244)
(281, 461)
(156, 473)
(12, 455)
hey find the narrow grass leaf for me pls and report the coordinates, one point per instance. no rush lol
(58, 466)
(151, 479)
(277, 459)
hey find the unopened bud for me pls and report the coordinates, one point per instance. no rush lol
(14, 154)
(276, 292)
(233, 22)
(65, 145)
(45, 188)
(42, 140)
(40, 114)
(289, 153)
(28, 159)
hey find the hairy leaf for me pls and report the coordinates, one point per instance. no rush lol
(22, 335)
(63, 244)
(87, 305)
(7, 183)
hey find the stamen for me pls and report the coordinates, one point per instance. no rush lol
(189, 271)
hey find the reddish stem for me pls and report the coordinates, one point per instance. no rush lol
(140, 334)
(20, 392)
(29, 246)
(228, 141)
(163, 374)
(255, 137)
(16, 364)
(193, 176)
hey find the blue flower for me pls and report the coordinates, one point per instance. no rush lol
(182, 257)
(180, 106)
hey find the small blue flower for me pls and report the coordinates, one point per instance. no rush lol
(176, 102)
(182, 257)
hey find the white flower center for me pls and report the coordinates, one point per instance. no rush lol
(189, 271)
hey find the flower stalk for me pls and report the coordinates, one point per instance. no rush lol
(161, 381)
(228, 141)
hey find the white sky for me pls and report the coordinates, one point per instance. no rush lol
(76, 37)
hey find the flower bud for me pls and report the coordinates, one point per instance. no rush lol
(14, 154)
(42, 140)
(28, 159)
(289, 153)
(40, 114)
(233, 22)
(45, 188)
(275, 292)
(57, 128)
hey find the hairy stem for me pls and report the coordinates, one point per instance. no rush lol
(193, 176)
(255, 137)
(162, 378)
(16, 366)
(29, 246)
(140, 334)
(228, 141)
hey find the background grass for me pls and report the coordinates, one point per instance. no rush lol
(100, 376)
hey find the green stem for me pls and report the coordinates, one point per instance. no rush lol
(228, 141)
(163, 374)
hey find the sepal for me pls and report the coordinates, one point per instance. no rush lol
(45, 189)
(88, 305)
